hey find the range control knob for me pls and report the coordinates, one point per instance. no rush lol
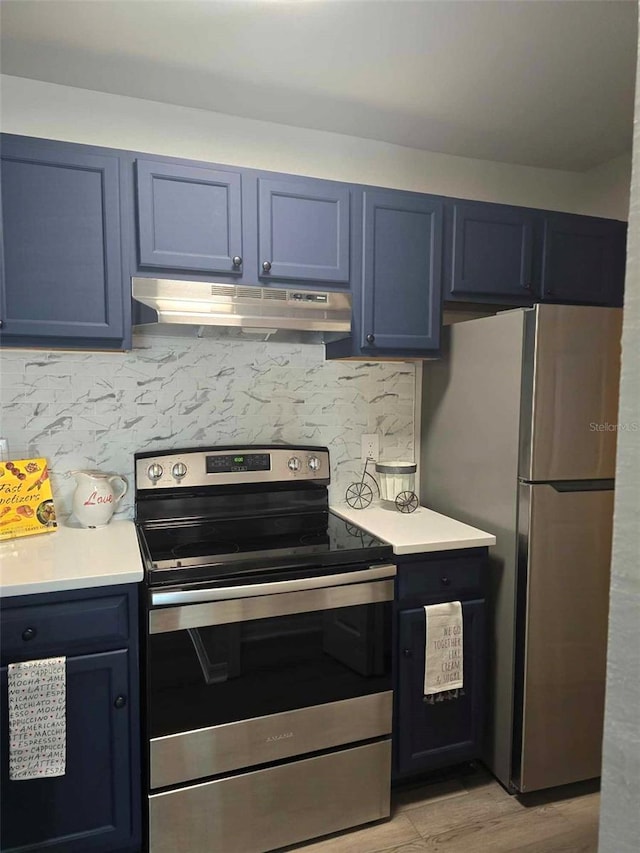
(314, 463)
(293, 464)
(179, 470)
(154, 472)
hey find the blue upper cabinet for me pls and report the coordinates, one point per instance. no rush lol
(490, 253)
(62, 270)
(189, 218)
(304, 231)
(583, 259)
(400, 300)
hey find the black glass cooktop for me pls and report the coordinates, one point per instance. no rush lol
(230, 548)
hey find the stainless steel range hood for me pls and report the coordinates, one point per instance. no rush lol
(267, 309)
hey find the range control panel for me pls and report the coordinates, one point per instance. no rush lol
(231, 466)
(234, 462)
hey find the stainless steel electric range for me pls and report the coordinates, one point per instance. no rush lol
(268, 651)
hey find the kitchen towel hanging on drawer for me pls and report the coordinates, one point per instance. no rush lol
(37, 718)
(443, 657)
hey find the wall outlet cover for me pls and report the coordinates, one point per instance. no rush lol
(370, 447)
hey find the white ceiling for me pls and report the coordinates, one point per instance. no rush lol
(519, 81)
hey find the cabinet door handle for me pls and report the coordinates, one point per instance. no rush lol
(408, 653)
(266, 266)
(371, 339)
(237, 261)
(120, 702)
(445, 581)
(29, 634)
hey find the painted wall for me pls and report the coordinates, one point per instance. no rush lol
(35, 108)
(607, 188)
(620, 816)
(91, 410)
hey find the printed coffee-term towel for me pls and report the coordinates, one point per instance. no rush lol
(443, 649)
(37, 718)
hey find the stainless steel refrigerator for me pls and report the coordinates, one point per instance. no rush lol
(519, 438)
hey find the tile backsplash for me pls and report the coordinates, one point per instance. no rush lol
(94, 410)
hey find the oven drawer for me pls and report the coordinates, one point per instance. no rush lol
(272, 808)
(263, 740)
(77, 626)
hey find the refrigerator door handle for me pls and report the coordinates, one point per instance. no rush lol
(583, 485)
(573, 485)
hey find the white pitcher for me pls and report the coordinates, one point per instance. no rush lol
(96, 497)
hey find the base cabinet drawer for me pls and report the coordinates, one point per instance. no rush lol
(429, 736)
(441, 579)
(276, 807)
(63, 628)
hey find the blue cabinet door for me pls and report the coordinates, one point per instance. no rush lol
(449, 731)
(491, 252)
(90, 807)
(304, 230)
(62, 274)
(189, 218)
(401, 280)
(583, 260)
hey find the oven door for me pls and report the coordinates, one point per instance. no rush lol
(253, 674)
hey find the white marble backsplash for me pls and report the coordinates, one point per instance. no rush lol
(94, 410)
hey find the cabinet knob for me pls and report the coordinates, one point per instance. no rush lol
(371, 339)
(120, 702)
(0, 324)
(408, 653)
(445, 581)
(266, 266)
(237, 261)
(29, 634)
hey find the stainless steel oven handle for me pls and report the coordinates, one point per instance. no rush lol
(227, 593)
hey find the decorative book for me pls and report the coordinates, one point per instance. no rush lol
(26, 502)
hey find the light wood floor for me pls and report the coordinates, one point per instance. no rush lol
(472, 813)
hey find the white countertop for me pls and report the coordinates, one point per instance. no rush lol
(70, 558)
(416, 532)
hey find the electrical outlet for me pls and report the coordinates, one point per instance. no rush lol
(370, 447)
(4, 449)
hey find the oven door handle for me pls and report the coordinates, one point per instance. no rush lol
(228, 593)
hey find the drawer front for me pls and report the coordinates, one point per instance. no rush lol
(441, 579)
(64, 628)
(272, 808)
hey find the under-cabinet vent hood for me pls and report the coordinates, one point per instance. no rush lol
(267, 309)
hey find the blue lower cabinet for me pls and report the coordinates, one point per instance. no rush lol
(95, 806)
(583, 260)
(429, 736)
(450, 731)
(63, 281)
(89, 808)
